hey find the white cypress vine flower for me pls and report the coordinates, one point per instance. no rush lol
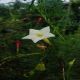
(37, 35)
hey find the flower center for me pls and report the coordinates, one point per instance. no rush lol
(39, 35)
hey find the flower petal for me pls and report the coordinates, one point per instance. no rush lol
(27, 37)
(36, 39)
(47, 35)
(45, 30)
(33, 31)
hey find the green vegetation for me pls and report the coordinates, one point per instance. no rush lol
(22, 59)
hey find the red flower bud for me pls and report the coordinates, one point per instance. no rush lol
(18, 44)
(39, 20)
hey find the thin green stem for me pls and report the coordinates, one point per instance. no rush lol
(63, 73)
(9, 58)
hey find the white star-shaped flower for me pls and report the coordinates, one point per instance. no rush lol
(37, 35)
